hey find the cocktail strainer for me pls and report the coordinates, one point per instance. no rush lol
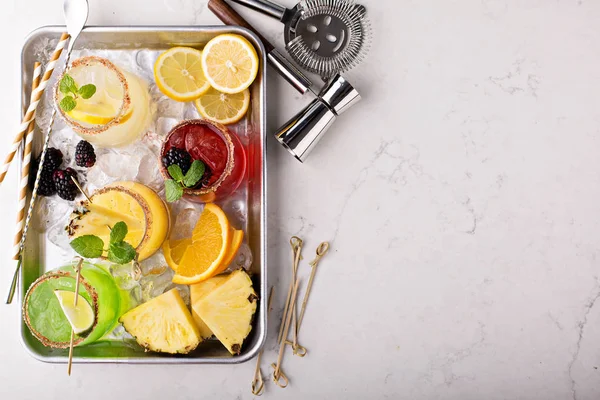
(323, 36)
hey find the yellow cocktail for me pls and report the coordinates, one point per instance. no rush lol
(146, 215)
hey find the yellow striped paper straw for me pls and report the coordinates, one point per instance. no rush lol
(37, 72)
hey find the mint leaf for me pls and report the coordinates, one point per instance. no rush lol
(175, 172)
(121, 252)
(87, 91)
(67, 103)
(173, 190)
(67, 84)
(88, 246)
(118, 232)
(194, 174)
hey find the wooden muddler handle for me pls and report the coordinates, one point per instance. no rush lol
(229, 16)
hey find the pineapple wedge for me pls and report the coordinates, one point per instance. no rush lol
(163, 324)
(228, 309)
(197, 292)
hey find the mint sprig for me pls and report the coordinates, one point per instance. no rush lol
(88, 246)
(69, 88)
(174, 187)
(118, 252)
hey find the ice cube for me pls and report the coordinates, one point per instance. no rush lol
(185, 221)
(190, 111)
(58, 236)
(125, 276)
(236, 212)
(51, 211)
(144, 61)
(156, 284)
(166, 107)
(243, 259)
(136, 294)
(152, 264)
(111, 167)
(152, 141)
(43, 49)
(164, 125)
(64, 140)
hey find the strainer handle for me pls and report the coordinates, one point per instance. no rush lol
(264, 6)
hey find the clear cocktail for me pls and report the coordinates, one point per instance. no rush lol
(115, 113)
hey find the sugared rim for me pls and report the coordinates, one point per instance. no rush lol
(230, 159)
(87, 61)
(148, 216)
(57, 275)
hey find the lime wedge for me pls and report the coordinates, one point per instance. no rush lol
(81, 317)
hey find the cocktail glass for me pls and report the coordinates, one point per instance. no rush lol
(145, 213)
(117, 113)
(43, 314)
(219, 149)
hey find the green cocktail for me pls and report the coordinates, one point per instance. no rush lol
(45, 318)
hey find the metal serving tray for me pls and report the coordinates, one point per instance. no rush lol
(37, 259)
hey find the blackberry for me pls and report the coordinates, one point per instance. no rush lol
(65, 187)
(46, 186)
(179, 157)
(53, 160)
(85, 155)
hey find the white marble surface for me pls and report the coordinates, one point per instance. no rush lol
(461, 198)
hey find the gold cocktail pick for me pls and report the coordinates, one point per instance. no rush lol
(296, 244)
(77, 277)
(278, 373)
(258, 383)
(81, 189)
(321, 251)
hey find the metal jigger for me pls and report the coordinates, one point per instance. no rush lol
(301, 133)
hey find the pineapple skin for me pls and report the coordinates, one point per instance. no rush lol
(228, 310)
(168, 310)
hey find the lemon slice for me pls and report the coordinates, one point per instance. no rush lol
(230, 63)
(96, 114)
(80, 316)
(178, 74)
(222, 107)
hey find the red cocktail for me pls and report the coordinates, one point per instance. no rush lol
(221, 152)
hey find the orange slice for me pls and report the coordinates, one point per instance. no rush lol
(234, 246)
(210, 244)
(173, 251)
